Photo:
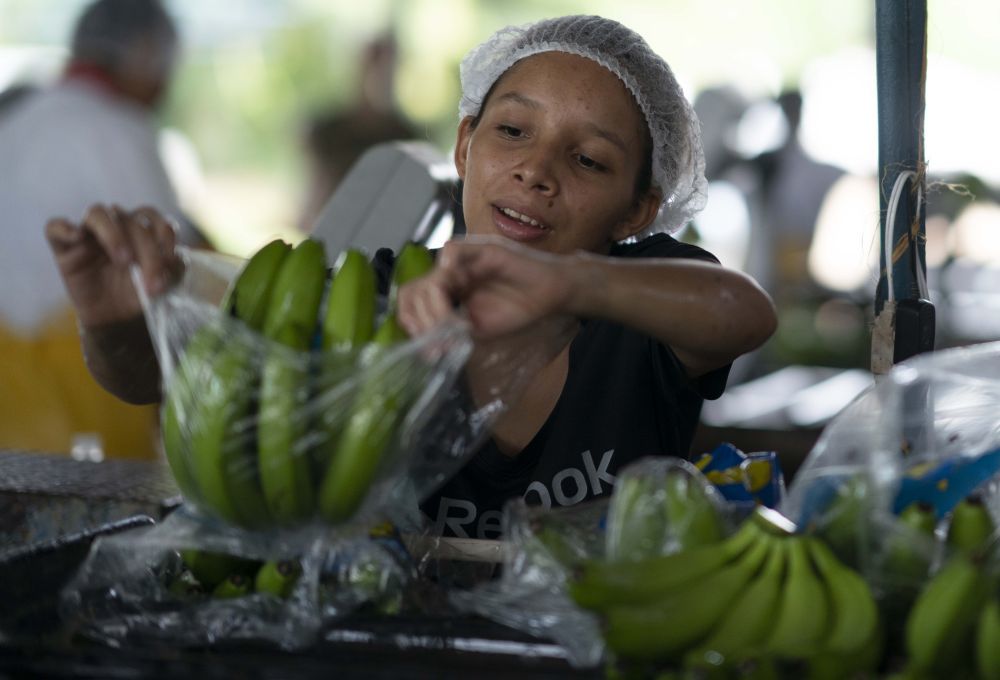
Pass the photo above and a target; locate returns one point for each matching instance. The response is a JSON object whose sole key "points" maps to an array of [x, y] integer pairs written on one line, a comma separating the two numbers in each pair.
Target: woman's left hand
{"points": [[502, 286]]}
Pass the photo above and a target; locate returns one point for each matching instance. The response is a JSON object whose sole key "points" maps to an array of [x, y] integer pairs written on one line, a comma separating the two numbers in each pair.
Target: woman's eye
{"points": [[510, 131], [589, 163]]}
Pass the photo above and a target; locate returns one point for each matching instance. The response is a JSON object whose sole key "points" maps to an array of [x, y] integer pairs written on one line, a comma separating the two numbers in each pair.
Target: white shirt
{"points": [[63, 149]]}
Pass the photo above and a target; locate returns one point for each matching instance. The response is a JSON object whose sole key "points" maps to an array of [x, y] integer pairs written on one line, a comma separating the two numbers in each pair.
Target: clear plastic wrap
{"points": [[134, 586], [884, 477], [262, 435], [254, 429], [188, 582], [538, 553], [659, 506]]}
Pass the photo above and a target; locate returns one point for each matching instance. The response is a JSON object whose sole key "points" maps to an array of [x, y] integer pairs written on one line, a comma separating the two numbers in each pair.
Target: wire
{"points": [[894, 198]]}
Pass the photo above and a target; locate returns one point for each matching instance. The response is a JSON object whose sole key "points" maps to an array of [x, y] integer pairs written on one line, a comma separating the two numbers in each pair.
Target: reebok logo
{"points": [[567, 487]]}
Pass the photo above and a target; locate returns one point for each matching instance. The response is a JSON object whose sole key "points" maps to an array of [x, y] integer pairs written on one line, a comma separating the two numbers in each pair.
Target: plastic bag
{"points": [[530, 595], [190, 582], [134, 586], [261, 435], [749, 479], [659, 506], [923, 438]]}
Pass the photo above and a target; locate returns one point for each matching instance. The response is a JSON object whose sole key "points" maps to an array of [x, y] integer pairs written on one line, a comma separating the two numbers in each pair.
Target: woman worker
{"points": [[578, 154]]}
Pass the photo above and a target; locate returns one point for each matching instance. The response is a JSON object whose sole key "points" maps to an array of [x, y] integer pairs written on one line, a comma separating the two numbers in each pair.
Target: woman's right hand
{"points": [[95, 255]]}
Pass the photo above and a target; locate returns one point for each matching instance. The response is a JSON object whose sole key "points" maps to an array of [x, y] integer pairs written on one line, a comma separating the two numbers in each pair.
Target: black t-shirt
{"points": [[626, 396]]}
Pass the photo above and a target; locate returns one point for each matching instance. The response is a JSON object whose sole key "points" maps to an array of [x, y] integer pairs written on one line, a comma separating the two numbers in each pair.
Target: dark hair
{"points": [[643, 181], [107, 29]]}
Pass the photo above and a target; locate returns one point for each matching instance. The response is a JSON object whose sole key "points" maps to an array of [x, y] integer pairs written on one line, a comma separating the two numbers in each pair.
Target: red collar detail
{"points": [[93, 74]]}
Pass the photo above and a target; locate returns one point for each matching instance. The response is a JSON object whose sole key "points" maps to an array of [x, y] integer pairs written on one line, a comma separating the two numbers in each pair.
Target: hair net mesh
{"points": [[678, 160]]}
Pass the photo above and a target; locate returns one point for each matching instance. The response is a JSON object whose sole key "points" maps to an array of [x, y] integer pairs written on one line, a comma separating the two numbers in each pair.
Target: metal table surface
{"points": [[44, 496]]}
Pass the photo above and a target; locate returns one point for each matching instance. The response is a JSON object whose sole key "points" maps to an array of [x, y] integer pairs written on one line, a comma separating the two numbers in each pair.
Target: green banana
{"points": [[211, 568], [663, 628], [940, 627], [248, 296], [692, 517], [379, 407], [742, 630], [827, 665], [904, 562], [381, 404], [350, 309], [233, 586], [297, 292], [801, 618], [414, 260], [601, 585], [348, 326], [971, 526], [853, 611], [283, 424], [988, 640], [841, 524], [185, 585], [282, 436], [636, 525], [221, 436], [277, 577], [181, 405]]}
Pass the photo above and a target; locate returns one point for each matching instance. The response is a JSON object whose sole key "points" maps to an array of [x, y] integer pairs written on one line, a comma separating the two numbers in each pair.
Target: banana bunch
{"points": [[764, 595], [903, 561], [267, 422], [226, 576], [953, 628]]}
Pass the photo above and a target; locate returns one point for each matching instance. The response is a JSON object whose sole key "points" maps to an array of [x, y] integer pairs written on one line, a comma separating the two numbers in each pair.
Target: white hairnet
{"points": [[678, 160]]}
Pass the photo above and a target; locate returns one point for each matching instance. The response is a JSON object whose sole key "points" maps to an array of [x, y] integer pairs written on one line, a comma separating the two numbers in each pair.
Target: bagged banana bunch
{"points": [[659, 506], [903, 455], [927, 433], [897, 484], [186, 583], [299, 398]]}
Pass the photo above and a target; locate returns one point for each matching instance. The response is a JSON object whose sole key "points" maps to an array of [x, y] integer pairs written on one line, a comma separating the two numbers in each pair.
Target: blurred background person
{"points": [[90, 137], [335, 140], [13, 95], [794, 186]]}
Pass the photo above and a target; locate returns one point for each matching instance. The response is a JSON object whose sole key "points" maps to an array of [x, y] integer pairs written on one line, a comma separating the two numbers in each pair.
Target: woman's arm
{"points": [[120, 356], [706, 314]]}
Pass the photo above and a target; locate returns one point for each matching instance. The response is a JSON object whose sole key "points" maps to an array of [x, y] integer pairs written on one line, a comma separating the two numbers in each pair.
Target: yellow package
{"points": [[49, 398]]}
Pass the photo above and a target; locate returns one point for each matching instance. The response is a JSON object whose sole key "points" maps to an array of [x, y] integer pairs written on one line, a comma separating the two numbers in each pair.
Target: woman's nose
{"points": [[536, 171]]}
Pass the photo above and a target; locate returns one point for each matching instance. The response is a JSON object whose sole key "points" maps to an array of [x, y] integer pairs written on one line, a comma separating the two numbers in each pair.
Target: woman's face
{"points": [[554, 158]]}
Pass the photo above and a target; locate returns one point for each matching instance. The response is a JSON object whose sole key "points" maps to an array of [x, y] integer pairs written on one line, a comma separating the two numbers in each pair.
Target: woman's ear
{"points": [[640, 215], [465, 130]]}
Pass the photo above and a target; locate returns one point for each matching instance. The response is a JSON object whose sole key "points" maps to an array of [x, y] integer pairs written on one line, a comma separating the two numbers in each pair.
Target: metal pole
{"points": [[904, 323]]}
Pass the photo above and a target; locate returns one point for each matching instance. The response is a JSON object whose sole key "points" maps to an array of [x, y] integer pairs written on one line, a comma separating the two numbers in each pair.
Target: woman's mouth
{"points": [[518, 226]]}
